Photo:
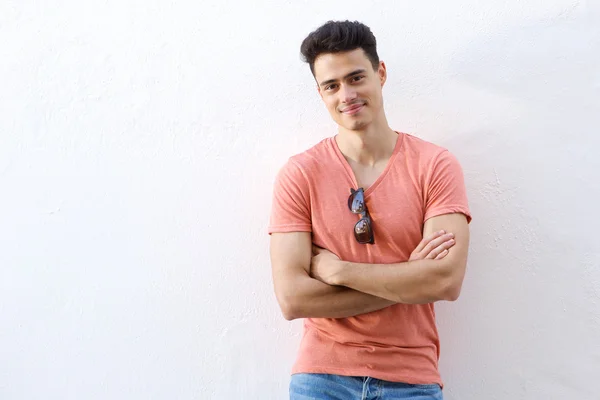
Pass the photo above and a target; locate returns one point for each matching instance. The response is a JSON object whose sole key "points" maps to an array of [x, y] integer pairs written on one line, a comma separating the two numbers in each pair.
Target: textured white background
{"points": [[138, 145]]}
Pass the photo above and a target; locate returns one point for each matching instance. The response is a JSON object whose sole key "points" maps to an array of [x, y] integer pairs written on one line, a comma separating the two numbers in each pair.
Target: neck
{"points": [[369, 146]]}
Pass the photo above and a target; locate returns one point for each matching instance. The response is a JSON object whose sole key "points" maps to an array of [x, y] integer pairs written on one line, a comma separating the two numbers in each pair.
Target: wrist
{"points": [[340, 277]]}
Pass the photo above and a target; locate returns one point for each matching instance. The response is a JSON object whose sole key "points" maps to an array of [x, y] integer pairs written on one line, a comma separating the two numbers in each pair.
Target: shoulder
{"points": [[421, 149], [426, 156], [316, 155], [309, 161]]}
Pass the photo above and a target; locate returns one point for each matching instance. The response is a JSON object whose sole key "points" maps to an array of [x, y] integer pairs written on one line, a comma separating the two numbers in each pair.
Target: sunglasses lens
{"points": [[362, 231], [356, 203]]}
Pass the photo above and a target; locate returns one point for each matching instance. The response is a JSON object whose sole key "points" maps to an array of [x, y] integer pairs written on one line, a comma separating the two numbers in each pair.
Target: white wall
{"points": [[138, 145]]}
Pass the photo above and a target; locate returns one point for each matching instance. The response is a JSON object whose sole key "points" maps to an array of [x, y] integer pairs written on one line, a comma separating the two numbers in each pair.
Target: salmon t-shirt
{"points": [[421, 180]]}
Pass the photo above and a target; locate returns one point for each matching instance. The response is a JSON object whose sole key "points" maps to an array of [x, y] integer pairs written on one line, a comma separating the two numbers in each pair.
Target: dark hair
{"points": [[339, 36]]}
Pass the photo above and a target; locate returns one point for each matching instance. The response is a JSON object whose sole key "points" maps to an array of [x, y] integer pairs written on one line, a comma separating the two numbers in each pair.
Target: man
{"points": [[368, 229]]}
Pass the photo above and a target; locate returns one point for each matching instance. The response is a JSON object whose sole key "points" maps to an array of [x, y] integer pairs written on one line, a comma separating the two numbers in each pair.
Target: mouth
{"points": [[353, 109]]}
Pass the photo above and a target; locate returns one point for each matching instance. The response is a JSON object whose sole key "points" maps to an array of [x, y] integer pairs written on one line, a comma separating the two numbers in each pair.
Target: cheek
{"points": [[331, 106], [378, 95]]}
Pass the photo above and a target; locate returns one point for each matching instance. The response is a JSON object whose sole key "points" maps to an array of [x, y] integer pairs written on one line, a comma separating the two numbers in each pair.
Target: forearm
{"points": [[413, 282], [310, 298]]}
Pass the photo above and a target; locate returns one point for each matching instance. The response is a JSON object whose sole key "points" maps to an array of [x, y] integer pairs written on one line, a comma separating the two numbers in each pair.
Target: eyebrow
{"points": [[358, 71]]}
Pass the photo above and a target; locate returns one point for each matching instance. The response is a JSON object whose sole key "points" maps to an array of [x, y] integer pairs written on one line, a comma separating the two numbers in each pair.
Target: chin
{"points": [[352, 125], [356, 125]]}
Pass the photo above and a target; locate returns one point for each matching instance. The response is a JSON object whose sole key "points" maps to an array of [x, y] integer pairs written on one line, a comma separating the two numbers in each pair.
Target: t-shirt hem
{"points": [[368, 372], [289, 228], [448, 210]]}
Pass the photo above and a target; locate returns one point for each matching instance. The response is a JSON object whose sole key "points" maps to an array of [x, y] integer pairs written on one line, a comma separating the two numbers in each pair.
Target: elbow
{"points": [[288, 308], [452, 294], [450, 281], [451, 289], [291, 301], [288, 313]]}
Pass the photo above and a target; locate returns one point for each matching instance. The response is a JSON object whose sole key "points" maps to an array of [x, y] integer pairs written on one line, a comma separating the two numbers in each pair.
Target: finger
{"points": [[442, 255], [439, 249], [437, 242], [428, 239]]}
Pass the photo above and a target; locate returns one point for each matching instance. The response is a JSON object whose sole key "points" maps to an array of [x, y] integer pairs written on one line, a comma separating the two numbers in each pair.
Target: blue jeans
{"points": [[336, 387]]}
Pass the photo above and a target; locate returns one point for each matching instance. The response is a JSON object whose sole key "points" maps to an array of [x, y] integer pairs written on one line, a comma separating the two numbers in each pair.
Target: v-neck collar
{"points": [[350, 173]]}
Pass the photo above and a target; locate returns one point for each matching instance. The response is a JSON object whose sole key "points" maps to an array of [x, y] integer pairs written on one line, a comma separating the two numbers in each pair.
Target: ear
{"points": [[382, 73], [319, 90]]}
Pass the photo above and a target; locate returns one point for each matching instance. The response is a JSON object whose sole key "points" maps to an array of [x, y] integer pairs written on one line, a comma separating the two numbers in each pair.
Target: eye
{"points": [[357, 78], [331, 87]]}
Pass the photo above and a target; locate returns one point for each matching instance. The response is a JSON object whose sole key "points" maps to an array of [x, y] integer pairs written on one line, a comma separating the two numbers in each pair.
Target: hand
{"points": [[324, 265], [434, 247]]}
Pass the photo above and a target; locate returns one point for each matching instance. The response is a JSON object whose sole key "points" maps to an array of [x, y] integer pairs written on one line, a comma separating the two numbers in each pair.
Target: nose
{"points": [[347, 94]]}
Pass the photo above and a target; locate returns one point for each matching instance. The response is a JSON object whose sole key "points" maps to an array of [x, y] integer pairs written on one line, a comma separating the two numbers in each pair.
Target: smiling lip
{"points": [[353, 109]]}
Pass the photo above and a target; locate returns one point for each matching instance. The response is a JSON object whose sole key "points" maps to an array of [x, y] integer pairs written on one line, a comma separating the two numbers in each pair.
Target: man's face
{"points": [[350, 88]]}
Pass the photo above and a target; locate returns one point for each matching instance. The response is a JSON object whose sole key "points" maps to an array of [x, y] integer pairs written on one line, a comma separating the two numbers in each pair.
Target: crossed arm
{"points": [[320, 285]]}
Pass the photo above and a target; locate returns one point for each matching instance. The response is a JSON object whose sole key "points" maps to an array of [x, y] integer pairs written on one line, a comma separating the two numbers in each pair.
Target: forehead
{"points": [[335, 65]]}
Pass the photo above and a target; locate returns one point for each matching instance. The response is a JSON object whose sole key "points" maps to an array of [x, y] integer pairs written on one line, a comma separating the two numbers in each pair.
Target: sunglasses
{"points": [[363, 230]]}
